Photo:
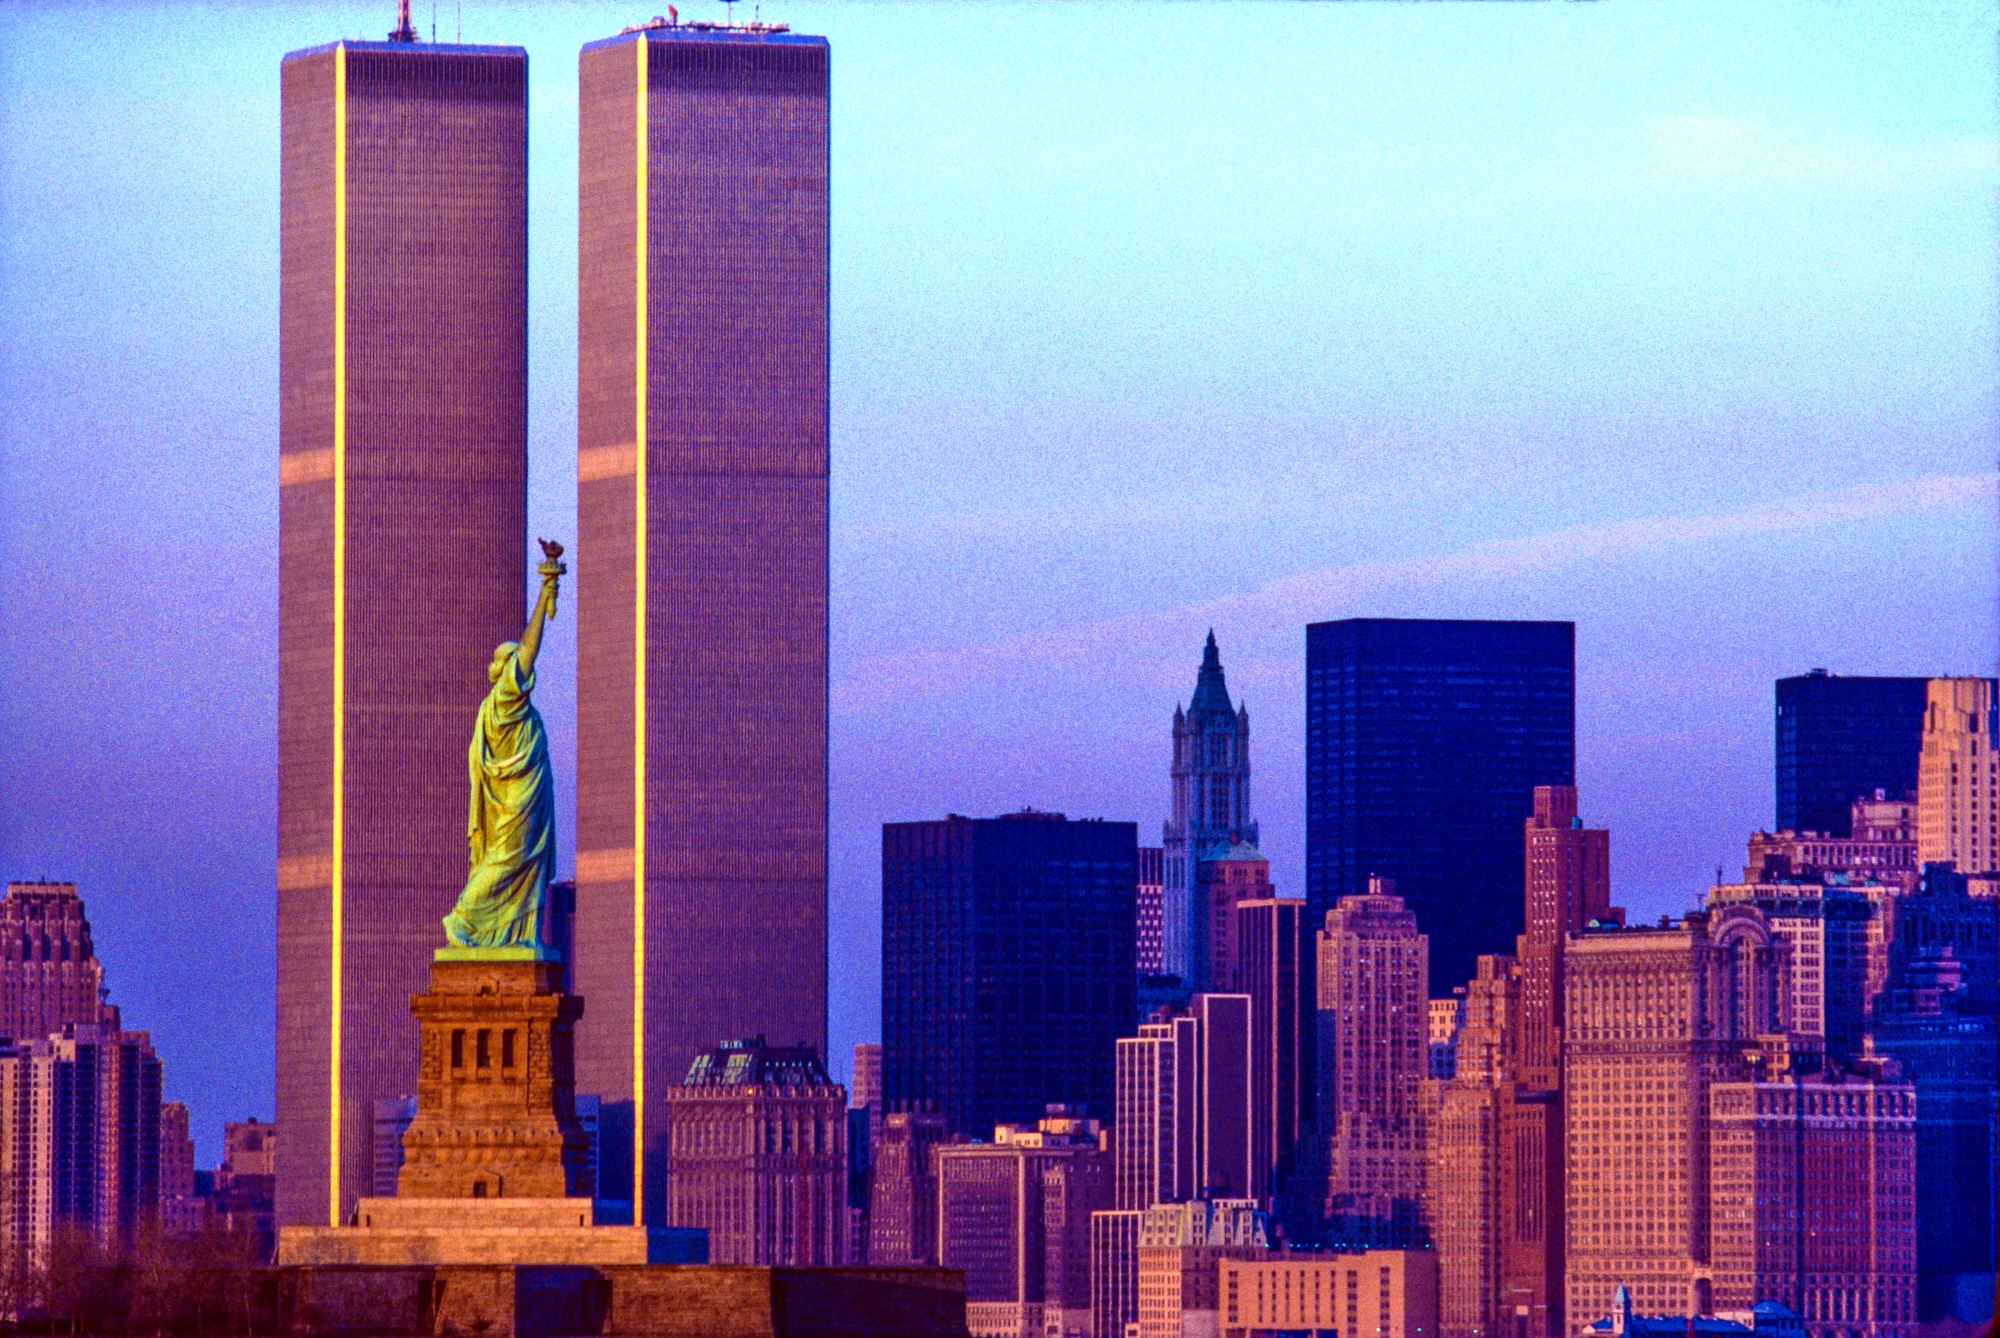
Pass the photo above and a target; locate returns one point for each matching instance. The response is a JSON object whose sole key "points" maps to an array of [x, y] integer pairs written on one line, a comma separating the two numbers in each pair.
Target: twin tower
{"points": [[701, 557]]}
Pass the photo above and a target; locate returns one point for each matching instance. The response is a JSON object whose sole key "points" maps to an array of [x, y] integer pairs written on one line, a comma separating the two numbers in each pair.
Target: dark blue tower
{"points": [[1425, 741], [1006, 965]]}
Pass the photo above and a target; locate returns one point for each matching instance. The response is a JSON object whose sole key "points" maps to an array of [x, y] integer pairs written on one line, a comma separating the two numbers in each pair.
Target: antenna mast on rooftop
{"points": [[403, 31]]}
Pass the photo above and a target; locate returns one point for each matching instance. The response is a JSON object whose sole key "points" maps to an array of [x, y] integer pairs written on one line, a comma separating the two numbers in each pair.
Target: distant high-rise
{"points": [[1006, 965], [1015, 1214], [702, 543], [1276, 966], [402, 518], [902, 1189], [79, 1138], [1157, 1113], [49, 972], [757, 1155], [180, 1210], [1374, 1051], [1568, 876], [1147, 952], [1424, 743], [1211, 783], [1958, 777], [1839, 738], [1226, 874]]}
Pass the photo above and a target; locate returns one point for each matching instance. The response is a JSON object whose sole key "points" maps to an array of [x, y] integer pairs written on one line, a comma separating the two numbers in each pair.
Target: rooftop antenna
{"points": [[729, 8], [403, 32]]}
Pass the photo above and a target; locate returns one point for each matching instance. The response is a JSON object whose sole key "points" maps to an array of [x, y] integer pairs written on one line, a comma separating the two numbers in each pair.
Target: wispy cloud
{"points": [[1727, 151], [1134, 638]]}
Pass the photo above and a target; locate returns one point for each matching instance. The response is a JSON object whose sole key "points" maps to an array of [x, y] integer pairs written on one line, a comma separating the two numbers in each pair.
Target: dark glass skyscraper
{"points": [[1425, 741], [402, 538], [701, 562], [1006, 965], [1841, 738]]}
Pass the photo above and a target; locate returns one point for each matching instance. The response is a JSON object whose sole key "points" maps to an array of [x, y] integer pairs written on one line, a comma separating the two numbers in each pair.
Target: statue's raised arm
{"points": [[511, 824]]}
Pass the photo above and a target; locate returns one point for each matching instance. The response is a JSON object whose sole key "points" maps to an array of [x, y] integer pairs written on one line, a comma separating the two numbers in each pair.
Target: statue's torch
{"points": [[551, 568]]}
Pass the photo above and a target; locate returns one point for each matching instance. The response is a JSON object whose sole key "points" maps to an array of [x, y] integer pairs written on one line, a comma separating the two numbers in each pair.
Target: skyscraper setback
{"points": [[402, 534], [702, 523], [1424, 742]]}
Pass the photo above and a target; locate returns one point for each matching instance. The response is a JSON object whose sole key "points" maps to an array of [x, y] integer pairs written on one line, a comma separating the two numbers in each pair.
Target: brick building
{"points": [[1015, 1214], [1374, 1052], [1811, 1200], [1181, 1246], [757, 1155]]}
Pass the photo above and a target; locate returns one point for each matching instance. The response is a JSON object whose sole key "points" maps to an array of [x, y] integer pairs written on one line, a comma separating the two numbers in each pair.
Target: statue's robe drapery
{"points": [[511, 829]]}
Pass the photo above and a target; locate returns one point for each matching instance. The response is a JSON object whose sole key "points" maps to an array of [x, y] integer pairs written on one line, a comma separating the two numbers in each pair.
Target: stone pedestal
{"points": [[495, 1166], [496, 1093]]}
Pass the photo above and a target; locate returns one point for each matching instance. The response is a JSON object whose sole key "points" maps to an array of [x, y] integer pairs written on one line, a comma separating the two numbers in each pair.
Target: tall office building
{"points": [[702, 524], [1958, 778], [1424, 743], [49, 972], [1655, 1017], [1006, 965], [1568, 877], [757, 1155], [1495, 1174], [1823, 975], [1839, 738], [1157, 1113], [402, 518], [1374, 1052], [1276, 966], [1114, 1270], [1211, 788]]}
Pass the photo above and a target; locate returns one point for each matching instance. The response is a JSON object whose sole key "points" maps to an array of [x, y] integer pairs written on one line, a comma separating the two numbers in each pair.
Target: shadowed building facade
{"points": [[1425, 740], [402, 523], [702, 563], [1006, 965], [1838, 738]]}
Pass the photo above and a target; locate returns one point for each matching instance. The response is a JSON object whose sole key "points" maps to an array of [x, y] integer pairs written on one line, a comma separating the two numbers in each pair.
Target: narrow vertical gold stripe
{"points": [[639, 462], [338, 928]]}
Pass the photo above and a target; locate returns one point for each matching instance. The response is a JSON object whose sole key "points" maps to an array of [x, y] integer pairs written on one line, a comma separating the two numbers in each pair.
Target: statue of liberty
{"points": [[510, 830]]}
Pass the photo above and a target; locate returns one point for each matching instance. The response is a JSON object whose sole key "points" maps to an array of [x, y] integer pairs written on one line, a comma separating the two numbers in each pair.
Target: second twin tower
{"points": [[702, 562]]}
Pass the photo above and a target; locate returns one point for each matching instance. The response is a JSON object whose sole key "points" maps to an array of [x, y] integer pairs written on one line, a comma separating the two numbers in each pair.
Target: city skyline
{"points": [[1673, 540]]}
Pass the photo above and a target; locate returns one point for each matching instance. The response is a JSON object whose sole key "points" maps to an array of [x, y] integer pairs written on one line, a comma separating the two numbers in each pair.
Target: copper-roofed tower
{"points": [[702, 515], [402, 521], [1211, 779], [49, 973]]}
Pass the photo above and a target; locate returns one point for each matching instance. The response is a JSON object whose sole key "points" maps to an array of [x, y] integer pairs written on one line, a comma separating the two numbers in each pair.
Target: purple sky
{"points": [[1677, 321]]}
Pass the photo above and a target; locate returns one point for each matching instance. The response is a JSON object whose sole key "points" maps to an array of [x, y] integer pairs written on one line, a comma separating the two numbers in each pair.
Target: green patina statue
{"points": [[511, 829]]}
